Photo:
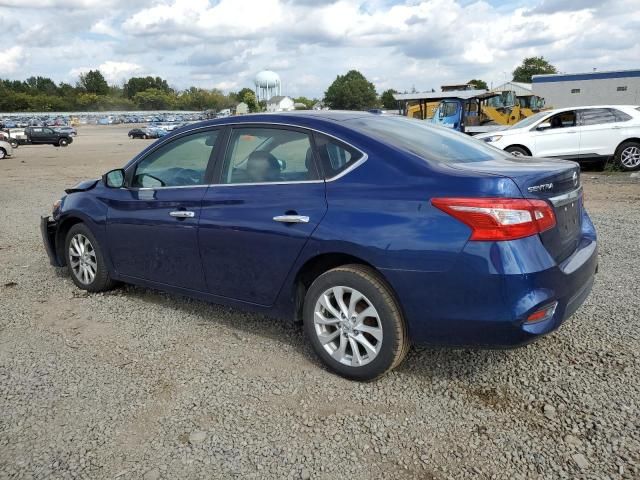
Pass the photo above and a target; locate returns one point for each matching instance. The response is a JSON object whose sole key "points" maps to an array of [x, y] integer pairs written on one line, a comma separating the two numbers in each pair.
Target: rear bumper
{"points": [[48, 230], [485, 299]]}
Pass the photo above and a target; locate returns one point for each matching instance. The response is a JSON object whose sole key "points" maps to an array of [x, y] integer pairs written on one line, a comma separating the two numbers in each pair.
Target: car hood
{"points": [[502, 133], [83, 186]]}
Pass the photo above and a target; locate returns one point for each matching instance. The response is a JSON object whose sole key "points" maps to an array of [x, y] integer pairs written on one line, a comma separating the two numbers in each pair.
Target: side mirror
{"points": [[114, 178], [543, 126]]}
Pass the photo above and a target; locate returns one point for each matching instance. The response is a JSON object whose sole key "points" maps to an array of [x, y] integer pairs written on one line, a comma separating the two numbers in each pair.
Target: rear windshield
{"points": [[427, 141]]}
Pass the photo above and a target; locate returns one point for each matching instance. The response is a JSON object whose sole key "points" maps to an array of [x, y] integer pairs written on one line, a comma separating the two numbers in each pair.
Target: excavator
{"points": [[468, 109]]}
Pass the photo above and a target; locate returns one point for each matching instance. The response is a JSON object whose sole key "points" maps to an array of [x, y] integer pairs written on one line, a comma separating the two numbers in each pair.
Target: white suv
{"points": [[584, 134]]}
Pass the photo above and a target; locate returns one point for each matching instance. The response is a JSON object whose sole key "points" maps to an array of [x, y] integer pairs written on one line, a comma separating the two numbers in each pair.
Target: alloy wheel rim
{"points": [[630, 157], [348, 326], [82, 259]]}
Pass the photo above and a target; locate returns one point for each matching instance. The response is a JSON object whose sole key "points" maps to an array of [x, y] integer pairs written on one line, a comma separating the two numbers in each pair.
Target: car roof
{"points": [[583, 107], [302, 117]]}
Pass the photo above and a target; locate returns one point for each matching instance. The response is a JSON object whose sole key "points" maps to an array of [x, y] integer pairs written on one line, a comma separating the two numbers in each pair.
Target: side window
{"points": [[597, 116], [334, 156], [620, 115], [268, 155], [448, 109], [181, 162], [563, 120]]}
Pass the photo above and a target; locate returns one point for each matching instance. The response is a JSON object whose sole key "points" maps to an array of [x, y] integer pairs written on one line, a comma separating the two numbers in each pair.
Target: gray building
{"points": [[620, 87]]}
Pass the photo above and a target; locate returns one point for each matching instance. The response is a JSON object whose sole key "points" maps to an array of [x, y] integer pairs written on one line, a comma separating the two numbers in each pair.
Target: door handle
{"points": [[182, 214], [292, 218]]}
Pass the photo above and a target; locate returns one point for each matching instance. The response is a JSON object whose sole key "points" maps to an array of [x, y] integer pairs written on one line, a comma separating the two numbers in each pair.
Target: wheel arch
{"points": [[519, 145], [319, 264], [631, 139]]}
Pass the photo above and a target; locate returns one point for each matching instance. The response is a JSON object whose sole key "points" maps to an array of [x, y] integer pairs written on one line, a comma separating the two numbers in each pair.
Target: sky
{"points": [[401, 44]]}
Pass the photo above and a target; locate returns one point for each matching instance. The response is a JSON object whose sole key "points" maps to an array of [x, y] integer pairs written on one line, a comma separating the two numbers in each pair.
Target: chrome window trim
{"points": [[565, 198], [346, 171]]}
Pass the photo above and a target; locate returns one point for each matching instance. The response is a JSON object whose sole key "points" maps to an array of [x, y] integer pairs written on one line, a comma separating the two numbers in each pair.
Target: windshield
{"points": [[527, 122], [425, 140]]}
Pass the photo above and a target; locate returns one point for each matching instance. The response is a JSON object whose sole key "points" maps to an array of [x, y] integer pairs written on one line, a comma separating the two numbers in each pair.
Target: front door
{"points": [[256, 220], [561, 139], [152, 226]]}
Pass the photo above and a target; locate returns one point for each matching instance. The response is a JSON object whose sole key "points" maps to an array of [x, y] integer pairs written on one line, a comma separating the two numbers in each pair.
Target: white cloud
{"points": [[12, 59], [399, 44]]}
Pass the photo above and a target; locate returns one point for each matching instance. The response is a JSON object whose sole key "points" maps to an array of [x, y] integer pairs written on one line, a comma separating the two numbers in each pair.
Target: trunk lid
{"points": [[556, 181]]}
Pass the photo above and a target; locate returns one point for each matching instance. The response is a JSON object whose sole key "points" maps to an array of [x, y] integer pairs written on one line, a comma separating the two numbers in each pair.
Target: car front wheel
{"points": [[63, 142], [628, 156], [354, 323], [3, 153], [517, 151], [85, 260]]}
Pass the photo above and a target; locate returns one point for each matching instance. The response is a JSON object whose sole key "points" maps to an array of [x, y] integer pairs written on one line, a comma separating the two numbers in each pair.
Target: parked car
{"points": [[374, 231], [71, 131], [584, 134], [138, 133], [44, 136], [6, 150]]}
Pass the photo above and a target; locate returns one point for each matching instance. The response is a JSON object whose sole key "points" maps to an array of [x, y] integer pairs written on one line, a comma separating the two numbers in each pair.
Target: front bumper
{"points": [[48, 230]]}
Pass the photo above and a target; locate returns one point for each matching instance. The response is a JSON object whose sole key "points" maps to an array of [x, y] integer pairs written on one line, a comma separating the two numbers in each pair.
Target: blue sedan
{"points": [[376, 232]]}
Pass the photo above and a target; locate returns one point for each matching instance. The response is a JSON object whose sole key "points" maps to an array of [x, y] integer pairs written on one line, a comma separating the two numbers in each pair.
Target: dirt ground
{"points": [[140, 384]]}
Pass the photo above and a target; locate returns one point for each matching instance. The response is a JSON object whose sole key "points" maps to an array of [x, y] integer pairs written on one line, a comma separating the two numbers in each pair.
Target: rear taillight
{"points": [[499, 218]]}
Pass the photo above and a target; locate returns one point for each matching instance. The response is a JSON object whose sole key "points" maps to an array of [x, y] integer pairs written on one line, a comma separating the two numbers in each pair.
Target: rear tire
{"points": [[85, 260], [517, 151], [13, 143], [354, 344], [628, 156], [3, 153], [63, 142]]}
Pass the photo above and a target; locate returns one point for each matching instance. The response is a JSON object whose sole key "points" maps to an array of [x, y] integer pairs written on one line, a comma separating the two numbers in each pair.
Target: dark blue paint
{"points": [[451, 291], [573, 77]]}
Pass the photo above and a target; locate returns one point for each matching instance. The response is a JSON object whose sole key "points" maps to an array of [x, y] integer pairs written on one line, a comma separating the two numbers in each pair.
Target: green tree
{"points": [[351, 92], [93, 82], [155, 99], [479, 84], [250, 99], [308, 102], [532, 66], [140, 84], [240, 95], [387, 99]]}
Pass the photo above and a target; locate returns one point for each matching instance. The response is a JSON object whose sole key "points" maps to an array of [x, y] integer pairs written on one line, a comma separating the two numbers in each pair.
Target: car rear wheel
{"points": [[13, 143], [63, 142], [354, 323], [145, 136], [86, 261], [628, 156], [517, 151], [3, 153]]}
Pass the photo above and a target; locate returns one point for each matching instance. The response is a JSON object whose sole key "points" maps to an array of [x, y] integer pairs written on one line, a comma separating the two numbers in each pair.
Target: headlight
{"points": [[492, 138], [56, 206]]}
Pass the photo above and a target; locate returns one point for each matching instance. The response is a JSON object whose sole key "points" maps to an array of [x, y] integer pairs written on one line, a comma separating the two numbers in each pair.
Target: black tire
{"points": [[101, 281], [395, 340], [63, 142], [145, 136], [131, 137], [626, 148], [518, 151], [13, 143], [3, 153]]}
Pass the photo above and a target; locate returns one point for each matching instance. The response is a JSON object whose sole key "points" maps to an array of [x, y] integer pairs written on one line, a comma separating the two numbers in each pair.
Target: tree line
{"points": [[92, 92]]}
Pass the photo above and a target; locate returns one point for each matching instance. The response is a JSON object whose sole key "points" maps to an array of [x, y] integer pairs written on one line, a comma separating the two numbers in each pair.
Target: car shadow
{"points": [[427, 363]]}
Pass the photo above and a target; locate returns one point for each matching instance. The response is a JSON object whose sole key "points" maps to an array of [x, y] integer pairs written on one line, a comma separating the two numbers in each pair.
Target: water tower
{"points": [[267, 85]]}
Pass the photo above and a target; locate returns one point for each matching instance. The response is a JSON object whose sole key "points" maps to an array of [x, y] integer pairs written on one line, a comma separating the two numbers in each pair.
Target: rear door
{"points": [[562, 139], [598, 137], [268, 200]]}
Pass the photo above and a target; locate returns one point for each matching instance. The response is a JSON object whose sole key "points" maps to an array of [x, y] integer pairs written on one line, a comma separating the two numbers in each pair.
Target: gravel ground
{"points": [[140, 384]]}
